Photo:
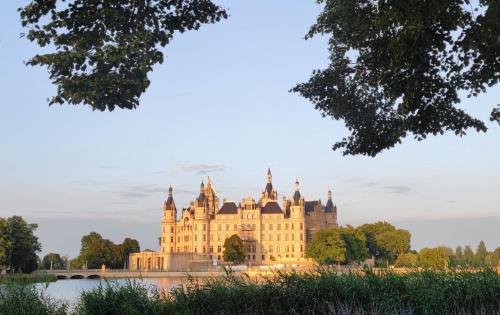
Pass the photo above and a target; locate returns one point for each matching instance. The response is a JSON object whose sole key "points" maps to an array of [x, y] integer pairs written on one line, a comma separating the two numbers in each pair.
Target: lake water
{"points": [[69, 290]]}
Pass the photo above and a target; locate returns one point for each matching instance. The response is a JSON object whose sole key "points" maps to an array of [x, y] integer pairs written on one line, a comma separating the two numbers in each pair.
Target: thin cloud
{"points": [[105, 167], [140, 191], [397, 189], [203, 168]]}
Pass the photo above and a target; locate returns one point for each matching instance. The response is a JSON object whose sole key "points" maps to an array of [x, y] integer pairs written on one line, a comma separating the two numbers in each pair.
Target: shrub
{"points": [[28, 299]]}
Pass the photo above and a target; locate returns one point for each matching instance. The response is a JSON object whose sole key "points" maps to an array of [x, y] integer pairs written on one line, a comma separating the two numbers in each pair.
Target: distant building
{"points": [[273, 233]]}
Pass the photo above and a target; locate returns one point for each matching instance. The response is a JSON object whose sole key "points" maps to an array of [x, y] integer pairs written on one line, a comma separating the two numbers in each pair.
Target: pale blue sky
{"points": [[220, 106]]}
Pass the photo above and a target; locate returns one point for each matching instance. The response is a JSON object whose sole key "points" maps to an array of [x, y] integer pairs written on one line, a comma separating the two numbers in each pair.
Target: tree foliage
{"points": [[385, 242], [5, 244], [355, 244], [397, 68], [435, 258], [18, 244], [481, 258], [96, 251], [54, 261], [468, 256], [481, 252], [235, 250], [327, 247], [104, 50], [406, 260]]}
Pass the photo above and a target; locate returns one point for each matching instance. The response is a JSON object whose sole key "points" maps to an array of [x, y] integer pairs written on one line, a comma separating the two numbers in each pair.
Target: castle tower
{"points": [[297, 204], [201, 204], [329, 207], [167, 240], [269, 193]]}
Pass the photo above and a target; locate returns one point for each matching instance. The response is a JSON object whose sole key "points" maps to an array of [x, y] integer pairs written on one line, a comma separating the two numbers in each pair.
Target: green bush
{"points": [[28, 300]]}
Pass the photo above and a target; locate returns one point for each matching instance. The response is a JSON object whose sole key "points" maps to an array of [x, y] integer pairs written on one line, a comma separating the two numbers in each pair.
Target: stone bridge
{"points": [[120, 273]]}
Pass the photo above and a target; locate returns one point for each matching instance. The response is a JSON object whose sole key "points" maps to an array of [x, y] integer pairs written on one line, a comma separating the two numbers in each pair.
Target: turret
{"points": [[269, 193], [329, 207], [169, 209], [167, 240], [296, 195]]}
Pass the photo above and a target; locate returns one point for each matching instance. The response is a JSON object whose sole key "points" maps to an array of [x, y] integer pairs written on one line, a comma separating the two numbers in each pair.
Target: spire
{"points": [[169, 203], [329, 204], [269, 185], [296, 195], [209, 182], [201, 197]]}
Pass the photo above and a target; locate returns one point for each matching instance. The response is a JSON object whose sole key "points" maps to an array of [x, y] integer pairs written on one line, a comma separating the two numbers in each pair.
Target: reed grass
{"points": [[323, 291], [18, 299], [23, 279]]}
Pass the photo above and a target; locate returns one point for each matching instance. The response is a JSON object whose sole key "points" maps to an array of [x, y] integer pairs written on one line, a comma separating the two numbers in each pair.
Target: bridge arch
{"points": [[60, 277], [93, 277], [77, 277]]}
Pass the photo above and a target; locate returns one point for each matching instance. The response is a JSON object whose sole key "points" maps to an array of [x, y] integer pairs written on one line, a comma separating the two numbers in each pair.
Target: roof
{"points": [[296, 197], [269, 189], [201, 197], [271, 207], [228, 208], [310, 205], [170, 204], [329, 206]]}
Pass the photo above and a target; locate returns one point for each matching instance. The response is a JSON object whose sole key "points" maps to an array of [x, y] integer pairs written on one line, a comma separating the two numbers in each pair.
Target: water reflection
{"points": [[69, 290]]}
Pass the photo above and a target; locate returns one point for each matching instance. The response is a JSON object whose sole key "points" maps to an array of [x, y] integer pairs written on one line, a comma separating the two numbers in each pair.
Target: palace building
{"points": [[274, 231]]}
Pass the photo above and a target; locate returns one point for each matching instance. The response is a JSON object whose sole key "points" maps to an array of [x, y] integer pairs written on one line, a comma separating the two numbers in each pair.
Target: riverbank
{"points": [[322, 291], [23, 279], [251, 272]]}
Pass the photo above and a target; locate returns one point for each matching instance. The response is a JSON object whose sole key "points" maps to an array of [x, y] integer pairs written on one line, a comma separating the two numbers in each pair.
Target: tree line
{"points": [[443, 257], [96, 251], [19, 248], [347, 245], [391, 247]]}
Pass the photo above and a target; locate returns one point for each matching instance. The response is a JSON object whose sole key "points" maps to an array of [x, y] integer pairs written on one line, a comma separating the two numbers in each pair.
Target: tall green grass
{"points": [[131, 298], [320, 292], [28, 300], [22, 278]]}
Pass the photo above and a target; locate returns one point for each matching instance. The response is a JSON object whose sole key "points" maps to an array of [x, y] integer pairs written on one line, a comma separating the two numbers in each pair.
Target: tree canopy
{"points": [[96, 251], [5, 243], [398, 68], [355, 244], [54, 261], [435, 258], [327, 247], [406, 260], [385, 242], [102, 51], [18, 244], [235, 250]]}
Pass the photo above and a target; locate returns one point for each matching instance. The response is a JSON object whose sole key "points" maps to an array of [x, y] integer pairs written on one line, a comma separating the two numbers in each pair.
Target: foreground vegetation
{"points": [[320, 292], [28, 299], [23, 279], [390, 246]]}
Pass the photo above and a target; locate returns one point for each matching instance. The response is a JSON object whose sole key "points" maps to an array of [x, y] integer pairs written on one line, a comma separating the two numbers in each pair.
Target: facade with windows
{"points": [[274, 232]]}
